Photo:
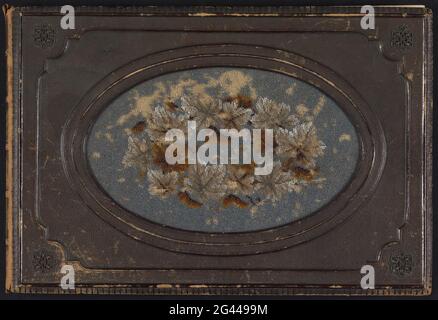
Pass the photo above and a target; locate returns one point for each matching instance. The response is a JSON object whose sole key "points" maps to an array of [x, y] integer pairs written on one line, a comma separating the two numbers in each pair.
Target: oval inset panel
{"points": [[316, 150]]}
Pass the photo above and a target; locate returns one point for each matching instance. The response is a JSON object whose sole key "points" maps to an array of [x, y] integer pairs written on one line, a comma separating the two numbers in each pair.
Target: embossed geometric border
{"points": [[427, 137]]}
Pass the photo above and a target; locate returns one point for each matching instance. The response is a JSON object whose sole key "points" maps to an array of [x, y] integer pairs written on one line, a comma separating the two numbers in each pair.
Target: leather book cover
{"points": [[219, 150]]}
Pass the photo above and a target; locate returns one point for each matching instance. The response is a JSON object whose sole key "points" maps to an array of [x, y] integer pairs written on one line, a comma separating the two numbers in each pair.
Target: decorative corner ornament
{"points": [[402, 38], [44, 35], [401, 265], [43, 261]]}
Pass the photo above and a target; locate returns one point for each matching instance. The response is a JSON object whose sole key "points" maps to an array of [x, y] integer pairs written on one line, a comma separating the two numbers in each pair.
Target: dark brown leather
{"points": [[59, 81]]}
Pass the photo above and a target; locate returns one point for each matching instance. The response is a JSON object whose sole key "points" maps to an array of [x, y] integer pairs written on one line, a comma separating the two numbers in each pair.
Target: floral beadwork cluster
{"points": [[296, 149]]}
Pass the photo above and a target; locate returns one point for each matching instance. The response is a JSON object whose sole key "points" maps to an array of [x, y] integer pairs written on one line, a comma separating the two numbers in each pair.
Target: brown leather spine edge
{"points": [[9, 283]]}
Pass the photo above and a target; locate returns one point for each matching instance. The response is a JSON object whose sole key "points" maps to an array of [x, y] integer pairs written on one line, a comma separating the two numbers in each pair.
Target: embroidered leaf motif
{"points": [[162, 121], [301, 144], [162, 184], [271, 115], [242, 101], [205, 182], [136, 155], [159, 159], [233, 116], [296, 146], [304, 173], [204, 113], [240, 179], [273, 186]]}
